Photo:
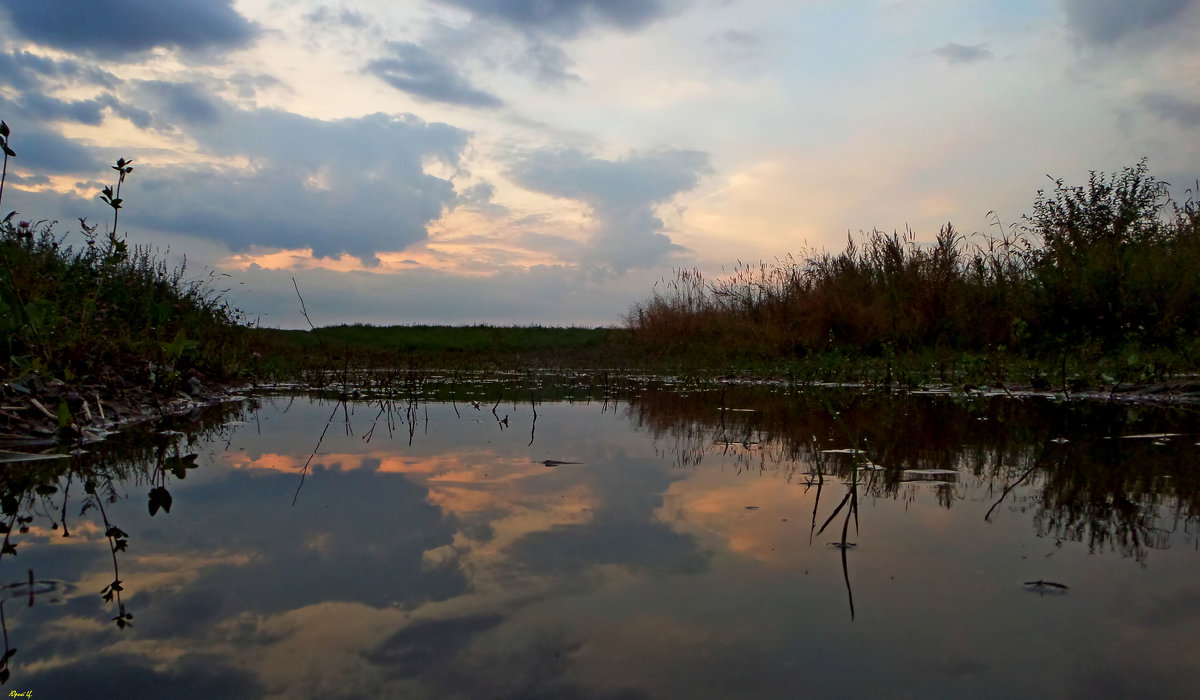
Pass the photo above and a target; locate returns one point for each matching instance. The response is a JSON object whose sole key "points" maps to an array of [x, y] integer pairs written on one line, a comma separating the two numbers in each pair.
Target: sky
{"points": [[549, 161]]}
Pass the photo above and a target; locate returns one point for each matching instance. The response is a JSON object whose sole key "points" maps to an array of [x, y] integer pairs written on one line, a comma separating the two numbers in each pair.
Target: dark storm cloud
{"points": [[118, 28], [34, 78], [1182, 111], [24, 70], [955, 53], [252, 512], [181, 103], [45, 152], [89, 112], [622, 195], [422, 74], [270, 178], [1107, 22], [566, 18], [353, 186]]}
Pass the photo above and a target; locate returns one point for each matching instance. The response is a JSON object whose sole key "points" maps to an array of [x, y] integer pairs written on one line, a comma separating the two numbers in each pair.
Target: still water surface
{"points": [[672, 546]]}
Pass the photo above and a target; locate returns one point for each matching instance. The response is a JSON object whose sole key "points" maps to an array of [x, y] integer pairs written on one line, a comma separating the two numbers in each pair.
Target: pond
{"points": [[653, 540]]}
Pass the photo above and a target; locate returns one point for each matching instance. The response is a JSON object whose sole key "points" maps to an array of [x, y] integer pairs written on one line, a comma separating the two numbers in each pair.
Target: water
{"points": [[993, 547]]}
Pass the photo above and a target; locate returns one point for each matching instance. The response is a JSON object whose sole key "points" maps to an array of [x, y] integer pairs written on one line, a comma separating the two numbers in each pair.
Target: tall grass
{"points": [[1107, 269]]}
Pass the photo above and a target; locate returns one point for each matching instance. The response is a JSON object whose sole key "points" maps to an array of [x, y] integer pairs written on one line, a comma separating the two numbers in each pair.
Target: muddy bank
{"points": [[39, 413]]}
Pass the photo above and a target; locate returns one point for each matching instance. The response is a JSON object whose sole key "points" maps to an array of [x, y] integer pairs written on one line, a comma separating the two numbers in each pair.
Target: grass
{"points": [[1104, 276], [106, 312], [478, 346]]}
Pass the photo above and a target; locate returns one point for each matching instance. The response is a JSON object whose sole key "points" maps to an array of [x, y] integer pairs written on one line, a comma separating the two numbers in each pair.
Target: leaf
{"points": [[119, 545], [9, 654], [160, 498], [4, 129], [8, 151], [8, 548], [64, 414], [115, 531], [4, 674]]}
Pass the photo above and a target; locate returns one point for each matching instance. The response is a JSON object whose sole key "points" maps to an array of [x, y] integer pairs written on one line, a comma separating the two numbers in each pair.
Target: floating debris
{"points": [[751, 507], [1043, 586]]}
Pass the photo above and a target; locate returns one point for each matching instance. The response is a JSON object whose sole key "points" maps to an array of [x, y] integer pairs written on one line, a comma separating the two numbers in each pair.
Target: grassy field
{"points": [[476, 347]]}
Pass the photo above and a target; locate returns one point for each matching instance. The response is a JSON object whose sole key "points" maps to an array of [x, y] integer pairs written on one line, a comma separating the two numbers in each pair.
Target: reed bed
{"points": [[1106, 270]]}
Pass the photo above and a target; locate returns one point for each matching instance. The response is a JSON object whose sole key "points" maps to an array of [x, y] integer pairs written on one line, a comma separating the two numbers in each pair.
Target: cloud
{"points": [[566, 18], [622, 195], [1108, 22], [1182, 111], [24, 70], [46, 152], [184, 103], [546, 62], [420, 73], [286, 572], [478, 198], [956, 54], [326, 16], [120, 29], [411, 651], [247, 85], [270, 179], [353, 186], [89, 112]]}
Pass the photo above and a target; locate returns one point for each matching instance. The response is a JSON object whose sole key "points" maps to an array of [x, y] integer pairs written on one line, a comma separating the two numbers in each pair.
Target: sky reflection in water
{"points": [[679, 558]]}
